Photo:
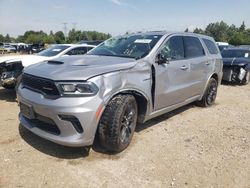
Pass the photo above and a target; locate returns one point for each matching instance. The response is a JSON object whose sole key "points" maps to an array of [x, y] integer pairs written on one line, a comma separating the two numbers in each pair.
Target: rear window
{"points": [[193, 47], [211, 46]]}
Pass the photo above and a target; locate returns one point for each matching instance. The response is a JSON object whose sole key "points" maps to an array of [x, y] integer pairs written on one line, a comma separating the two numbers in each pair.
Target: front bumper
{"points": [[234, 73], [82, 108]]}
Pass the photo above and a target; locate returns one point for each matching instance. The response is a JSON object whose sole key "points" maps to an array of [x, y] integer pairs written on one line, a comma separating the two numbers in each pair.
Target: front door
{"points": [[173, 77]]}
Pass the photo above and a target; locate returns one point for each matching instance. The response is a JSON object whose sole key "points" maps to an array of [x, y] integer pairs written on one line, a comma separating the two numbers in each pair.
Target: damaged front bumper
{"points": [[8, 78], [235, 74], [9, 73]]}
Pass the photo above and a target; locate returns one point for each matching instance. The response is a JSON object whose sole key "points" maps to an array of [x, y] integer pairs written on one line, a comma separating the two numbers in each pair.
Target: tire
{"points": [[246, 80], [118, 122], [210, 94]]}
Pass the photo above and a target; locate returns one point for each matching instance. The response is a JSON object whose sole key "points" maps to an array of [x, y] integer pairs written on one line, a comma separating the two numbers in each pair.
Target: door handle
{"points": [[184, 67]]}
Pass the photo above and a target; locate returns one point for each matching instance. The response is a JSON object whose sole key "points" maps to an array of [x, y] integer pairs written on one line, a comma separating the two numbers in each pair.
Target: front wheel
{"points": [[210, 94], [118, 122]]}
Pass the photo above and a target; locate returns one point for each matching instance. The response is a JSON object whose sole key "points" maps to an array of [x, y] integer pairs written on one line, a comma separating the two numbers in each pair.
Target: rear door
{"points": [[198, 62]]}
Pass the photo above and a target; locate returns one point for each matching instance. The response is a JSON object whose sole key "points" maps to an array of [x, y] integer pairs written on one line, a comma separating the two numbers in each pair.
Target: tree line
{"points": [[223, 32], [220, 31], [40, 37]]}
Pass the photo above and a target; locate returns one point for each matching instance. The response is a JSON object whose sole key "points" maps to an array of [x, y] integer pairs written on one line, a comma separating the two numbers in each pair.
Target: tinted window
{"points": [[130, 46], [211, 46], [90, 48], [235, 53], [78, 51], [193, 47], [173, 49], [53, 50]]}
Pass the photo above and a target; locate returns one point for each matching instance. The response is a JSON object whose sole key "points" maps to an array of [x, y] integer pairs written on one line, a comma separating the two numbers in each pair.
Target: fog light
{"points": [[73, 120]]}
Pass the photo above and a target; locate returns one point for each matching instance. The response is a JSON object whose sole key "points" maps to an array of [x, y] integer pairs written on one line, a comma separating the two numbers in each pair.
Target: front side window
{"points": [[193, 47], [173, 49], [211, 46], [55, 50], [130, 46]]}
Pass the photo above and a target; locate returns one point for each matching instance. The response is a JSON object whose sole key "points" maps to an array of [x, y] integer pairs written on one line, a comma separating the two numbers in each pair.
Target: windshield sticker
{"points": [[143, 41], [56, 50], [246, 54]]}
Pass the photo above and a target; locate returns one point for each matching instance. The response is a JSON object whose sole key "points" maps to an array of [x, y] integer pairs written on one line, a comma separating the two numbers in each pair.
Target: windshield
{"points": [[235, 53], [134, 46], [53, 50]]}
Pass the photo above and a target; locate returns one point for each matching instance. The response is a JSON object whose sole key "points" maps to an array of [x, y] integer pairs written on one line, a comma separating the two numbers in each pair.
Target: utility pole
{"points": [[65, 28], [74, 25]]}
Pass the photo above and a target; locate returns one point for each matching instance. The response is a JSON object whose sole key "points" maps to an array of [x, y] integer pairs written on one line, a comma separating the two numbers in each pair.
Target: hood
{"points": [[79, 67], [26, 59], [236, 61]]}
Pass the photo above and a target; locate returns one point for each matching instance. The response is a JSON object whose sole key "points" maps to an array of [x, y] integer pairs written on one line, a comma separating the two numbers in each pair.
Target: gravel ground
{"points": [[190, 147]]}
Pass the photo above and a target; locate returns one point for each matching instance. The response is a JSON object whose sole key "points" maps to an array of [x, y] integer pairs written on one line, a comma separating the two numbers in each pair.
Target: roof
{"points": [[171, 33], [74, 45]]}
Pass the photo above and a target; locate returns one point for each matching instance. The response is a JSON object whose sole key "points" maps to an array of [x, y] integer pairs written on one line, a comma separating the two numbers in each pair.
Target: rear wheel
{"points": [[246, 80], [210, 94], [117, 124]]}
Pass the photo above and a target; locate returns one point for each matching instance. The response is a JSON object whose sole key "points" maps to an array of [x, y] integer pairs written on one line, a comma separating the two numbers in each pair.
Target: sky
{"points": [[118, 16]]}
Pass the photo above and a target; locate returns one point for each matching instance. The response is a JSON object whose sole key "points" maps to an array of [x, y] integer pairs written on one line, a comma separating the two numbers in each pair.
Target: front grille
{"points": [[41, 85]]}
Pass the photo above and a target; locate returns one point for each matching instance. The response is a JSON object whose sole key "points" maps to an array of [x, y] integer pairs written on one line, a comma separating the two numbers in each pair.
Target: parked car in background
{"points": [[8, 48], [11, 66], [36, 48], [244, 46], [91, 42], [236, 65], [125, 80], [224, 45]]}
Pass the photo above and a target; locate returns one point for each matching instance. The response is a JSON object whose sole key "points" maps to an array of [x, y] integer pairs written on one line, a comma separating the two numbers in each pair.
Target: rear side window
{"points": [[193, 47], [211, 46]]}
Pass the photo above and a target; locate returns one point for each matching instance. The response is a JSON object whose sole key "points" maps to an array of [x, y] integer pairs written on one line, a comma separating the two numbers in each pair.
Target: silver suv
{"points": [[125, 80]]}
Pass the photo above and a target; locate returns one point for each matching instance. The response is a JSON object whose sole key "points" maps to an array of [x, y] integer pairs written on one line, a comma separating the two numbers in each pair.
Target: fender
{"points": [[204, 90], [247, 68], [127, 90]]}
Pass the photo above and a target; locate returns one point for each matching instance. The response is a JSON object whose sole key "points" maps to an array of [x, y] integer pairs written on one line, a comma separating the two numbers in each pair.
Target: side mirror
{"points": [[161, 59]]}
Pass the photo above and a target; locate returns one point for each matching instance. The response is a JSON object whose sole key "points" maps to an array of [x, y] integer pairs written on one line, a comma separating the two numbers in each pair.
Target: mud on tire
{"points": [[117, 124]]}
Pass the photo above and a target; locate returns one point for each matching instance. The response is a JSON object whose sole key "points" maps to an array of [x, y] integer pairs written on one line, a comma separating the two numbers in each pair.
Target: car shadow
{"points": [[51, 148], [64, 152], [140, 127], [226, 83], [8, 95], [164, 117]]}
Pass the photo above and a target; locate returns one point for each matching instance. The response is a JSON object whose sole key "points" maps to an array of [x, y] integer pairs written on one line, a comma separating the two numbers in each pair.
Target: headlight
{"points": [[77, 88]]}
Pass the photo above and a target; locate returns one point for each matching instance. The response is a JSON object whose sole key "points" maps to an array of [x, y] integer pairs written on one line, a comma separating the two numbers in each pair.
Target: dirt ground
{"points": [[190, 147]]}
